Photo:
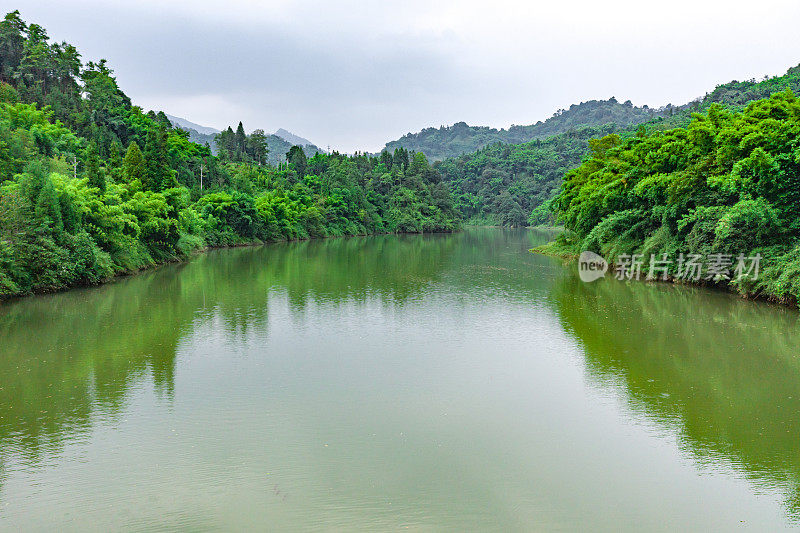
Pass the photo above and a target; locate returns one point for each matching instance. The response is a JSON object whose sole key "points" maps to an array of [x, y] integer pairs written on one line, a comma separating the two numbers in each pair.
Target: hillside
{"points": [[502, 184], [460, 138], [279, 147], [509, 184], [292, 138], [725, 186], [91, 186], [188, 125]]}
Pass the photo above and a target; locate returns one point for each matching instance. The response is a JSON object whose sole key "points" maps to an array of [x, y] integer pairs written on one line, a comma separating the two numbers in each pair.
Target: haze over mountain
{"points": [[292, 138], [460, 138], [510, 184], [186, 124], [278, 143]]}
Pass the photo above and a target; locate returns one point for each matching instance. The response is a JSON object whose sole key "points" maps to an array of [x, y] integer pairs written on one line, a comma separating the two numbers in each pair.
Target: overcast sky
{"points": [[354, 75]]}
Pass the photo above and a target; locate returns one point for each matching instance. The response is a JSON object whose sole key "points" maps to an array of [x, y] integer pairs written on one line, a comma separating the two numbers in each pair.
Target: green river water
{"points": [[424, 383]]}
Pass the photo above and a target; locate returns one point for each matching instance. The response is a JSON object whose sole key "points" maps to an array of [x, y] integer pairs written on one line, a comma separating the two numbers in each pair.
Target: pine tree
{"points": [[386, 159], [133, 167], [114, 158], [241, 139], [158, 175]]}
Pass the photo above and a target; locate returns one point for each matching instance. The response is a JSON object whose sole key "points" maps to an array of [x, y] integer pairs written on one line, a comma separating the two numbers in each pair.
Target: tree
{"points": [[48, 210], [133, 166], [386, 159], [257, 147], [400, 158], [8, 94], [297, 159], [241, 142], [12, 43], [158, 175], [93, 171]]}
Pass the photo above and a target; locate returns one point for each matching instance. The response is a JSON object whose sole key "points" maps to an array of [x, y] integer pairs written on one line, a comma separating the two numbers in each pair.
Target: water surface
{"points": [[444, 382]]}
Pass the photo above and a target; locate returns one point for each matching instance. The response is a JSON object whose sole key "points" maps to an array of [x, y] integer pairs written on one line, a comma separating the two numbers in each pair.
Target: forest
{"points": [[276, 147], [514, 184], [92, 186], [460, 138], [727, 184]]}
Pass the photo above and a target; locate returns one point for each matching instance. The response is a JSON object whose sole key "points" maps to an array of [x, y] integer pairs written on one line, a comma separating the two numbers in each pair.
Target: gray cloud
{"points": [[355, 76]]}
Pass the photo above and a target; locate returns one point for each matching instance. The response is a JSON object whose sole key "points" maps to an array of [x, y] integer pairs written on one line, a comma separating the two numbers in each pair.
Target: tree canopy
{"points": [[74, 210]]}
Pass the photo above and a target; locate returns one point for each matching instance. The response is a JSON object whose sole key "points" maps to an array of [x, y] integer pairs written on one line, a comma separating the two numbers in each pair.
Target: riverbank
{"points": [[186, 257], [570, 252]]}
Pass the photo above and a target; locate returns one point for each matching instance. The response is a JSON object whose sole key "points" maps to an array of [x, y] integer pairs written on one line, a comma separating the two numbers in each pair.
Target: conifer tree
{"points": [[158, 175], [133, 167]]}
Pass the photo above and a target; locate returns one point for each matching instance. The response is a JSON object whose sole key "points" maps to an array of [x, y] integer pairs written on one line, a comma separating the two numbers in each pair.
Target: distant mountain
{"points": [[188, 125], [277, 144], [292, 138], [506, 183], [460, 138]]}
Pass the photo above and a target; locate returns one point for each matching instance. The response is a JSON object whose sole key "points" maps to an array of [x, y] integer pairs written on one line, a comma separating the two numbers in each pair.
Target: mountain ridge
{"points": [[188, 124]]}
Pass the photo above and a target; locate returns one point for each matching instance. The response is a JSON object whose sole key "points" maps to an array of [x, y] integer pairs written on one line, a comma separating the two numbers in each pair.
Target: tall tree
{"points": [[94, 172], [257, 147], [297, 159], [158, 174], [241, 142], [133, 166], [12, 41]]}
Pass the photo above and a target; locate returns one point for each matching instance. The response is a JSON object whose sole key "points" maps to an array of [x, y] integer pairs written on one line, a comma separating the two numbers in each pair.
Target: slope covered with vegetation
{"points": [[92, 186], [725, 185], [511, 185], [460, 138]]}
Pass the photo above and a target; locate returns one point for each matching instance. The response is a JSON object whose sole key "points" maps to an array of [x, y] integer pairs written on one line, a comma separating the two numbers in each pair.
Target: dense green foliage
{"points": [[728, 183], [91, 186], [511, 185], [460, 138], [734, 95]]}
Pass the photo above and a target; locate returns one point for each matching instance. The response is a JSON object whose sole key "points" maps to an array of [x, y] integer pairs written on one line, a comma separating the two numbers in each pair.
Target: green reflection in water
{"points": [[469, 345], [68, 356], [724, 371]]}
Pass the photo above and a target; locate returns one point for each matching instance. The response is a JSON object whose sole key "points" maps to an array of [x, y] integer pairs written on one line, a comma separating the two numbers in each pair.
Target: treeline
{"points": [[460, 138], [91, 186], [275, 147], [725, 185], [240, 147], [512, 185]]}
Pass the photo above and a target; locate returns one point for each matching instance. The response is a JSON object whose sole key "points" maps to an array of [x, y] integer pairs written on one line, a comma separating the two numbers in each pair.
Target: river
{"points": [[437, 382]]}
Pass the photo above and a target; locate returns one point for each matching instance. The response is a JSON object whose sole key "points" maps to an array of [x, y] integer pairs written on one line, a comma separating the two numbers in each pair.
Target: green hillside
{"points": [[510, 184], [460, 138], [725, 186], [92, 186]]}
